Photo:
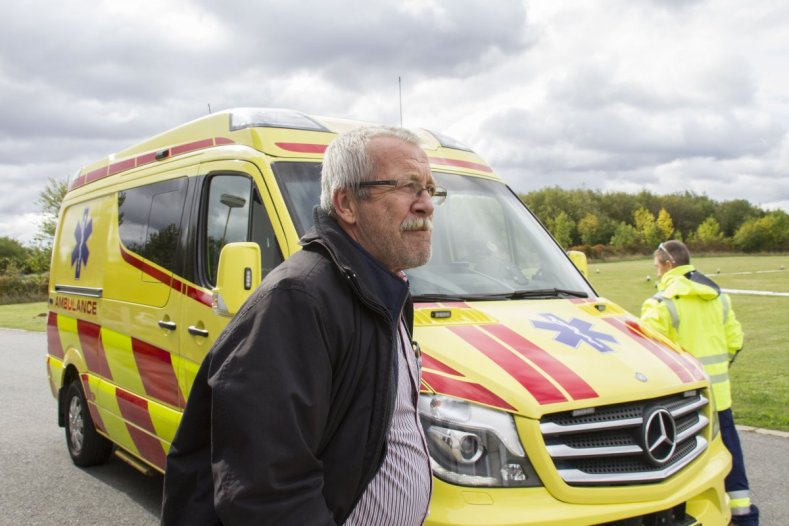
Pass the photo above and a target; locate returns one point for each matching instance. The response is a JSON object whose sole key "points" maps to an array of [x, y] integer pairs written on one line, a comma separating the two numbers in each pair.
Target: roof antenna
{"points": [[209, 108], [400, 90]]}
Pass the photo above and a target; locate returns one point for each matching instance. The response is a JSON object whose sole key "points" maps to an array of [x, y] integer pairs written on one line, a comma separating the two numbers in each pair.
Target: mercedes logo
{"points": [[659, 436]]}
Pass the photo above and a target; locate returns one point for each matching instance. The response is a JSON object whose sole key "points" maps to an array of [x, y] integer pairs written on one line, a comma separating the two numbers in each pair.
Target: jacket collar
{"points": [[685, 280], [376, 283], [673, 274]]}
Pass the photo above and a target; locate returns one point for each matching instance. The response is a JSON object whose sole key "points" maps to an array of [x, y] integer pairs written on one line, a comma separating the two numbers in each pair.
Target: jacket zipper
{"points": [[381, 445]]}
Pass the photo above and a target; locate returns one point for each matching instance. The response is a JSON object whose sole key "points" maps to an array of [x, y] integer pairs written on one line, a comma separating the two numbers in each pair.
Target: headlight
{"points": [[471, 445]]}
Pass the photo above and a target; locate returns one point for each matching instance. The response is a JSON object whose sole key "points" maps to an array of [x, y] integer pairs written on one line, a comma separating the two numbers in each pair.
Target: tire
{"points": [[85, 445]]}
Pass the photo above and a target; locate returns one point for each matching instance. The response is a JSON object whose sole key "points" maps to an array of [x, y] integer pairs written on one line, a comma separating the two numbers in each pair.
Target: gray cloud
{"points": [[665, 95], [351, 41]]}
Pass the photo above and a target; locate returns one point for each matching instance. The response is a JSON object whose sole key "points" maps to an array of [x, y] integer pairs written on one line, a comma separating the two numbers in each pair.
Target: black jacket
{"points": [[287, 418]]}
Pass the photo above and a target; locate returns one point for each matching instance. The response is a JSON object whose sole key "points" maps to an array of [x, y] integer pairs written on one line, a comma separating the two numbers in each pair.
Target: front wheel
{"points": [[85, 445]]}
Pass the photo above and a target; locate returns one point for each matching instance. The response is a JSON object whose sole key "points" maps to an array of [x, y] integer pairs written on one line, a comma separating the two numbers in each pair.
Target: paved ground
{"points": [[767, 462], [40, 486]]}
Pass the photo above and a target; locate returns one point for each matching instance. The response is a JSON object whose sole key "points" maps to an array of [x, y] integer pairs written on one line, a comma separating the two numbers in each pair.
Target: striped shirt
{"points": [[399, 493]]}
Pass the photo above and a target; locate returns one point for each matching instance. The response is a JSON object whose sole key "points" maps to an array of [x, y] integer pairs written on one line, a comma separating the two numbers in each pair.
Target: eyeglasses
{"points": [[412, 188], [667, 253]]}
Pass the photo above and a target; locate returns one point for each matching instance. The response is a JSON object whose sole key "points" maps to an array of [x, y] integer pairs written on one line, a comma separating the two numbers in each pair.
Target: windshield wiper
{"points": [[547, 293], [439, 298], [516, 295]]}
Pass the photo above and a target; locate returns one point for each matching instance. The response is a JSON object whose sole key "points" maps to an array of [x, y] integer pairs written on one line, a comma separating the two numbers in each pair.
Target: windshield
{"points": [[486, 244]]}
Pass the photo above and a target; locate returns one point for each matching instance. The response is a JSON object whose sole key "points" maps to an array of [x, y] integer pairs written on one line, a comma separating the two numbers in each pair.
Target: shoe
{"points": [[749, 519]]}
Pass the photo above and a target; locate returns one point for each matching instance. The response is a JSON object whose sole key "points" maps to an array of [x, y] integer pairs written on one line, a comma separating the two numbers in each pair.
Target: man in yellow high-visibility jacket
{"points": [[691, 310]]}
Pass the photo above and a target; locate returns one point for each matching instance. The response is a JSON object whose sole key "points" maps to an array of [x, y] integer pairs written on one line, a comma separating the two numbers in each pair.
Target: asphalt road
{"points": [[40, 486], [38, 483]]}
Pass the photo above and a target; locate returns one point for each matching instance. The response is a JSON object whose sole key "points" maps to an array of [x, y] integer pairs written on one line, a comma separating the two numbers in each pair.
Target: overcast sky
{"points": [[662, 95]]}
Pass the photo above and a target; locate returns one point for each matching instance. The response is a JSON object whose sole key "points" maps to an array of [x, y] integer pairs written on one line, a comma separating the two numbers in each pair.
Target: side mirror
{"points": [[579, 260], [237, 276]]}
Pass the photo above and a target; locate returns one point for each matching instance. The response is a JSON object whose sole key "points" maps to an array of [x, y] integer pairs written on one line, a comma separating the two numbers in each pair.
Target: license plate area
{"points": [[675, 516]]}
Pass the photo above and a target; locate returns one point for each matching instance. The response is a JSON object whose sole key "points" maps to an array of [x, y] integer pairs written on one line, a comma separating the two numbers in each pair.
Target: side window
{"points": [[234, 211], [149, 220], [263, 234]]}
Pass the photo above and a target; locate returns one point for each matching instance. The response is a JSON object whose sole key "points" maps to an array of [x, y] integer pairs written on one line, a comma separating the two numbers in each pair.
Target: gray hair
{"points": [[347, 162]]}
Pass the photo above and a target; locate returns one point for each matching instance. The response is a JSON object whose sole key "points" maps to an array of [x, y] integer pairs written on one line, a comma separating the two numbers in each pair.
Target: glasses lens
{"points": [[438, 196], [409, 187]]}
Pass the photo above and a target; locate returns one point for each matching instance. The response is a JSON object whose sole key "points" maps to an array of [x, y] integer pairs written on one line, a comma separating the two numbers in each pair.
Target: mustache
{"points": [[416, 223]]}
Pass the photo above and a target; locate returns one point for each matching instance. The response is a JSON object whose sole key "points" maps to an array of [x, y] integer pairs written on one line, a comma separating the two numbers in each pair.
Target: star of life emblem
{"points": [[80, 254], [575, 331]]}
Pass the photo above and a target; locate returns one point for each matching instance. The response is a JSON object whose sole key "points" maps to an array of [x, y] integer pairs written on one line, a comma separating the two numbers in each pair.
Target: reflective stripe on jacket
{"points": [[690, 310]]}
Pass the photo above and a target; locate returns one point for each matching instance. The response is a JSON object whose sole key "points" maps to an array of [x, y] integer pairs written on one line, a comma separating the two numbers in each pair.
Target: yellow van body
{"points": [[139, 290]]}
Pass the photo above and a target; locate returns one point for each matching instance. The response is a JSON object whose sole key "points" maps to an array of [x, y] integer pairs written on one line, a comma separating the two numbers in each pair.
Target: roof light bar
{"points": [[449, 142], [272, 118]]}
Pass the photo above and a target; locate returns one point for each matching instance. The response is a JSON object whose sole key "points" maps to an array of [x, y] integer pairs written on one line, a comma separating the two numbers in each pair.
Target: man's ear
{"points": [[345, 205]]}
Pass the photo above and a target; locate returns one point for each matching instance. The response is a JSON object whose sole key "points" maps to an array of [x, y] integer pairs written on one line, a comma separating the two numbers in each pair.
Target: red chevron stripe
{"points": [[301, 147], [571, 382], [692, 365], [198, 295], [145, 267], [667, 356], [121, 166], [530, 378], [134, 409], [94, 175], [470, 391], [91, 401], [171, 280], [146, 158], [93, 349], [54, 345], [156, 371], [463, 164], [428, 362], [150, 447], [191, 146]]}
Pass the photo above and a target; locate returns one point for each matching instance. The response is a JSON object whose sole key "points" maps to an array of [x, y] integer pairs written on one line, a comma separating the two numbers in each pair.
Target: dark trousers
{"points": [[736, 480]]}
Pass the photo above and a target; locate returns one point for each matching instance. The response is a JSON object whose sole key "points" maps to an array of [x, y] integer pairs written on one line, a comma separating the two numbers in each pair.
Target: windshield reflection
{"points": [[486, 244]]}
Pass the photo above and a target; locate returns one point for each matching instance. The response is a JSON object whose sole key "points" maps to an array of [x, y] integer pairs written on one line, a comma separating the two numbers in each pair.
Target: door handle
{"points": [[169, 325], [197, 332]]}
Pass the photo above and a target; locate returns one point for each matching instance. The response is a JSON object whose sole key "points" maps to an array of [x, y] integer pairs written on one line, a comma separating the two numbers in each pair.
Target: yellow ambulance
{"points": [[542, 402]]}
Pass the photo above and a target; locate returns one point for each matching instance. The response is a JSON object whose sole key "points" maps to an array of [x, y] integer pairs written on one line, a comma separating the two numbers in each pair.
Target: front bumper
{"points": [[703, 495]]}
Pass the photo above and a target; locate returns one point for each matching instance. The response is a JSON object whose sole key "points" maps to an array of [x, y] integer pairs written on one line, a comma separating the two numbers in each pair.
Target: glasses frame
{"points": [[438, 194], [667, 253]]}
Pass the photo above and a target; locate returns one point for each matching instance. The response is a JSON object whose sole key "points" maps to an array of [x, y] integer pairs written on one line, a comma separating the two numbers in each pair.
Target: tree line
{"points": [[604, 224], [601, 224], [24, 269]]}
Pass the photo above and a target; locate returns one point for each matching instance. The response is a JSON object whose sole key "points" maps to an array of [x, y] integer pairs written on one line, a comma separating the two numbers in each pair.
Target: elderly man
{"points": [[304, 412], [691, 310]]}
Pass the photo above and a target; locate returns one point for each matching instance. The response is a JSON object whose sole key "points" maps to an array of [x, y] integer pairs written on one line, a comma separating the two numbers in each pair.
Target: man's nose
{"points": [[424, 203]]}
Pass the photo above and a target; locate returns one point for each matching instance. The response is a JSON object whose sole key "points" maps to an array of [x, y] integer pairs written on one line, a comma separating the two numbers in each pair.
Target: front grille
{"points": [[610, 445]]}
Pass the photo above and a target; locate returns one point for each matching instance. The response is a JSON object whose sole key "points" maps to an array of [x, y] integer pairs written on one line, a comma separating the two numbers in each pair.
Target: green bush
{"points": [[768, 233], [22, 288], [625, 240]]}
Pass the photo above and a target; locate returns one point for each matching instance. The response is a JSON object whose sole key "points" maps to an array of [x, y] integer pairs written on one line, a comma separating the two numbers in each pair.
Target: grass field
{"points": [[27, 316], [760, 376]]}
